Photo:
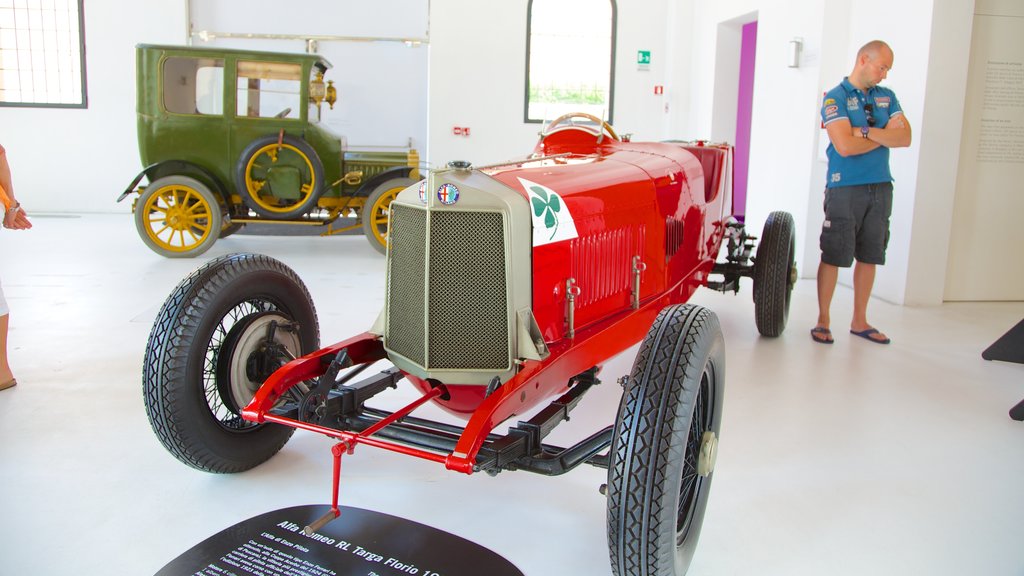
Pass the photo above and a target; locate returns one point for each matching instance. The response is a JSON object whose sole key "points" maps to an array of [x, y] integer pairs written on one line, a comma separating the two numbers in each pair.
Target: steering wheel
{"points": [[283, 113], [567, 120]]}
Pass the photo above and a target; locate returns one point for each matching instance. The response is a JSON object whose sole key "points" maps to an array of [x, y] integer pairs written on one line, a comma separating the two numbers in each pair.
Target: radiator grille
{"points": [[469, 317], [467, 326], [406, 282]]}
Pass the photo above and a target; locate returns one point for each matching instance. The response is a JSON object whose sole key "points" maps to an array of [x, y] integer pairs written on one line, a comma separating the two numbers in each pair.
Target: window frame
{"points": [[165, 89], [264, 70], [84, 104], [611, 65]]}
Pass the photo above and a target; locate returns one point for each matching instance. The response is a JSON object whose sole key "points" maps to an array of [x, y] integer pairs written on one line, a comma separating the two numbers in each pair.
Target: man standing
{"points": [[863, 120]]}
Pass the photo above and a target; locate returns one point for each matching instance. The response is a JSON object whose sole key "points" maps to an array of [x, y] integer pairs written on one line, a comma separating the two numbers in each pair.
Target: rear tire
{"points": [[774, 274], [192, 396], [670, 414], [230, 229], [178, 217]]}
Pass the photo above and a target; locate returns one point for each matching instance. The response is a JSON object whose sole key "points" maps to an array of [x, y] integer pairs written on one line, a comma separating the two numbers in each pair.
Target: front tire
{"points": [[774, 274], [663, 449], [211, 347], [375, 211]]}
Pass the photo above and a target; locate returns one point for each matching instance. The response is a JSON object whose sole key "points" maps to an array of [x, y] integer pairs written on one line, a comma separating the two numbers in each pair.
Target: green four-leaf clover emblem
{"points": [[548, 206]]}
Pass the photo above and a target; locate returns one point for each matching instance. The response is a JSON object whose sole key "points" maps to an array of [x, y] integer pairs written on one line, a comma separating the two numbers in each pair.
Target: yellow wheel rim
{"points": [[256, 176], [178, 218], [378, 214]]}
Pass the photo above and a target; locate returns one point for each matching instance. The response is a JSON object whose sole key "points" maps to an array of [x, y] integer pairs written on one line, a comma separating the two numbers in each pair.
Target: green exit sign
{"points": [[643, 60]]}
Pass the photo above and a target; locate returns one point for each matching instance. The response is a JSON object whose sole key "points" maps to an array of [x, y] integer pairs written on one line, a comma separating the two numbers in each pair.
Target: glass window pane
{"points": [[41, 48], [210, 88], [194, 85], [570, 50], [269, 89]]}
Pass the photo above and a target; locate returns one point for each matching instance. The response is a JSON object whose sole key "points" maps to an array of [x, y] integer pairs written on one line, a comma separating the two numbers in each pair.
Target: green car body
{"points": [[230, 137]]}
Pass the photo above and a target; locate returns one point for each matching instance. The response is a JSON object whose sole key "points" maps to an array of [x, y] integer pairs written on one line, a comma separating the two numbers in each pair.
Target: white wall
{"points": [[637, 109], [380, 18], [680, 64], [477, 78], [939, 136], [834, 62], [985, 261], [80, 160], [476, 81], [785, 109], [728, 49], [381, 84], [787, 168]]}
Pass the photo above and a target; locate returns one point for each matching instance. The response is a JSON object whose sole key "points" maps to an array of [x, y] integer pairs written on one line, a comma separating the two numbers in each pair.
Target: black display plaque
{"points": [[358, 543], [1008, 348]]}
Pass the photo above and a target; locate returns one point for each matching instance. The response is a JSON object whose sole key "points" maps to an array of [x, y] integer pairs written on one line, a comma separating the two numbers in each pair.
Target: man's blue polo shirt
{"points": [[846, 101]]}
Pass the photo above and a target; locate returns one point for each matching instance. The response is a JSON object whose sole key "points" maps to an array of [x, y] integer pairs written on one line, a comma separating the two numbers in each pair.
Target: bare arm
{"points": [[5, 175], [845, 141], [896, 133], [15, 217]]}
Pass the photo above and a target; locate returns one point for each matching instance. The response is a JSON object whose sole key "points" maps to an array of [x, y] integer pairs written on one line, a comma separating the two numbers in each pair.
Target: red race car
{"points": [[508, 286]]}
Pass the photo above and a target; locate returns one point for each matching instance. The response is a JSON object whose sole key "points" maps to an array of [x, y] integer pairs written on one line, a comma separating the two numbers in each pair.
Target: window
{"points": [[194, 86], [570, 49], [42, 53], [269, 89]]}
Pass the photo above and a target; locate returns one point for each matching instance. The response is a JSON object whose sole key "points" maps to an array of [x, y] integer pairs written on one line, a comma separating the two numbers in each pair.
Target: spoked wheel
{"points": [[256, 345], [375, 211], [220, 334], [279, 177], [178, 217], [664, 446], [775, 274]]}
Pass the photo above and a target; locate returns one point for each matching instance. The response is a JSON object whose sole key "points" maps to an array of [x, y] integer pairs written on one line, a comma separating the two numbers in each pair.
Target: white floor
{"points": [[849, 459]]}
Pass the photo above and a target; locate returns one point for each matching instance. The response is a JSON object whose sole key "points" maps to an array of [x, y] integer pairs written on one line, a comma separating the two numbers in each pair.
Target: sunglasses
{"points": [[869, 110]]}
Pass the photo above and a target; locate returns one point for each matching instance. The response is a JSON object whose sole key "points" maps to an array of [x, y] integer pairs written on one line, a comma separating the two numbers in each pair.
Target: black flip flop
{"points": [[866, 334], [821, 335]]}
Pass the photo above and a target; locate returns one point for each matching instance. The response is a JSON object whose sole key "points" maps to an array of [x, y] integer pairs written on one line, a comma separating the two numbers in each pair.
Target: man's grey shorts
{"points": [[856, 224]]}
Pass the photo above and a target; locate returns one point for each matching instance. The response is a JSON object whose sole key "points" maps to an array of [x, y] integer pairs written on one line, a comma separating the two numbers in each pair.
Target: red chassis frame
{"points": [[536, 382]]}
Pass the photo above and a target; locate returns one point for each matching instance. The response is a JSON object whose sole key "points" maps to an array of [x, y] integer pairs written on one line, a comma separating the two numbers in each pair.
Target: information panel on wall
{"points": [[985, 259]]}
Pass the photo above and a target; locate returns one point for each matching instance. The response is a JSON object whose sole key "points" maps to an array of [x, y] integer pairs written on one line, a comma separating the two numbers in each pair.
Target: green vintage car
{"points": [[232, 137]]}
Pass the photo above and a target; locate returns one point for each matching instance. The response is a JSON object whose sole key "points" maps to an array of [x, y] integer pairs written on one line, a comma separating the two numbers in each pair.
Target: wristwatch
{"points": [[864, 131]]}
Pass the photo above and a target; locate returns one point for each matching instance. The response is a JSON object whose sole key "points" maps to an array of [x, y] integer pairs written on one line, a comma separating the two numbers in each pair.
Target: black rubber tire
{"points": [[656, 499], [298, 153], [230, 229], [183, 403], [171, 208], [377, 204], [774, 274]]}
